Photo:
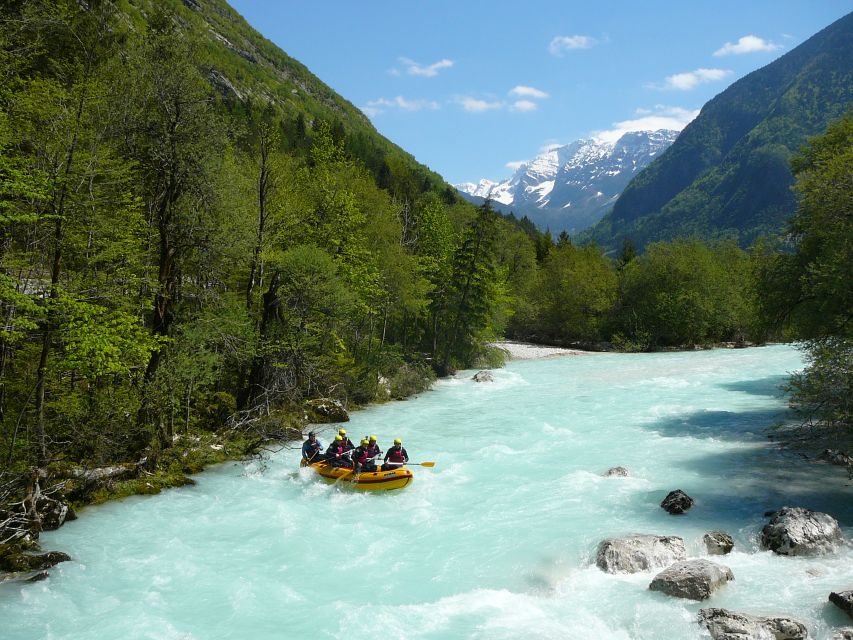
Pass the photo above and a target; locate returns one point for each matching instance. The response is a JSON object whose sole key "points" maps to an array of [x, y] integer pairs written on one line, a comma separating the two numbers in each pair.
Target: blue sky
{"points": [[473, 88]]}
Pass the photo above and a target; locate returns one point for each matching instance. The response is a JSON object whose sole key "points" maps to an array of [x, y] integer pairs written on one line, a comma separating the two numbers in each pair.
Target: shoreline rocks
{"points": [[483, 376], [723, 624], [692, 579], [718, 543], [677, 502], [640, 552], [843, 600], [795, 531]]}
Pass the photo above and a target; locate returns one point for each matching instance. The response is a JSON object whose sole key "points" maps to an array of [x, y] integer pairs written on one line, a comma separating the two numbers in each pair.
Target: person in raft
{"points": [[312, 449], [396, 456], [373, 448], [335, 454], [362, 459], [348, 445]]}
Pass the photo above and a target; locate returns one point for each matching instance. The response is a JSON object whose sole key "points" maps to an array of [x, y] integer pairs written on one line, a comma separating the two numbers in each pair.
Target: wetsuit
{"points": [[312, 451], [335, 455], [396, 454]]}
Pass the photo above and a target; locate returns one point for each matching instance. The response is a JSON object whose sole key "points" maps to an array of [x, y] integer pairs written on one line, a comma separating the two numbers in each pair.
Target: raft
{"points": [[365, 481]]}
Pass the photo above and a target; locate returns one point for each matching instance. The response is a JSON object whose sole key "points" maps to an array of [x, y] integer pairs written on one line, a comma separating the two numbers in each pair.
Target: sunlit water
{"points": [[495, 542]]}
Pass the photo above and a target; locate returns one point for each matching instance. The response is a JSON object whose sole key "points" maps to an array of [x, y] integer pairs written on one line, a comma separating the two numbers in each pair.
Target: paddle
{"points": [[414, 464]]}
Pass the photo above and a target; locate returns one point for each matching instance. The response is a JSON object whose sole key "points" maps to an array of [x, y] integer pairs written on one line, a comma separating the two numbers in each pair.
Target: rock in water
{"points": [[676, 502], [53, 513], [639, 552], [617, 472], [322, 410], [843, 600], [729, 625], [483, 376], [844, 633], [718, 543], [794, 531], [692, 579]]}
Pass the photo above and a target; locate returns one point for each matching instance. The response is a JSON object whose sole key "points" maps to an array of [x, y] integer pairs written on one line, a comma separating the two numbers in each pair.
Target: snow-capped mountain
{"points": [[572, 187]]}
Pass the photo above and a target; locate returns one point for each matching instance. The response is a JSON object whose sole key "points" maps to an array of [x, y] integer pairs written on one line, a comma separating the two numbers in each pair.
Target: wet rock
{"points": [[483, 376], [692, 579], [23, 576], [324, 410], [844, 633], [616, 472], [53, 513], [677, 502], [14, 559], [834, 456], [843, 600], [640, 552], [718, 543], [794, 531], [723, 624]]}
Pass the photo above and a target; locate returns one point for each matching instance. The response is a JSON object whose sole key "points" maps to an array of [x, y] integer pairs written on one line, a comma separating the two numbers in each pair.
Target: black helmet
{"points": [[311, 433]]}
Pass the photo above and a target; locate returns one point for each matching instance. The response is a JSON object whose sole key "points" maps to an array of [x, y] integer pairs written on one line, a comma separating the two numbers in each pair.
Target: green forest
{"points": [[177, 264]]}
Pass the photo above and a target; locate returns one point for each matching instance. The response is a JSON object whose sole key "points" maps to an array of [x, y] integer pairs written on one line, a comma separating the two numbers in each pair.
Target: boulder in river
{"points": [[15, 559], [723, 624], [483, 376], [794, 531], [324, 410], [640, 552], [616, 472], [676, 502], [843, 600], [23, 576], [844, 633], [692, 579], [718, 543]]}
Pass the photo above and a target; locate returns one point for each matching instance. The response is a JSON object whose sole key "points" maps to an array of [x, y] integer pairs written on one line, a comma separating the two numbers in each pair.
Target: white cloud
{"points": [[475, 105], [527, 92], [375, 107], [427, 71], [691, 79], [747, 44], [523, 106], [560, 44], [515, 165], [660, 117]]}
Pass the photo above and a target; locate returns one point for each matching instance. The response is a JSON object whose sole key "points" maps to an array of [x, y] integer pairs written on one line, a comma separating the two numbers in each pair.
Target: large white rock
{"points": [[794, 531], [692, 579], [640, 552], [730, 625]]}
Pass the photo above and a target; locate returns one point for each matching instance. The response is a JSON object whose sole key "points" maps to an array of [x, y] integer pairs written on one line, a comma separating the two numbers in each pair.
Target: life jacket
{"points": [[335, 449], [395, 454], [362, 455], [373, 450]]}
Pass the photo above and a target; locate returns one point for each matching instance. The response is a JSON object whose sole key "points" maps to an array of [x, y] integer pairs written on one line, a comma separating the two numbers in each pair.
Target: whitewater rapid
{"points": [[496, 542]]}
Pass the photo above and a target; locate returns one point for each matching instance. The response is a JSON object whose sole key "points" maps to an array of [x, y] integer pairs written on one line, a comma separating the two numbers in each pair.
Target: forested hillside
{"points": [[728, 175]]}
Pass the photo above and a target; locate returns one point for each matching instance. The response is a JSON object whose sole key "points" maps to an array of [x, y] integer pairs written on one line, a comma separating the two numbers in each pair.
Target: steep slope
{"points": [[727, 175], [571, 187], [249, 72]]}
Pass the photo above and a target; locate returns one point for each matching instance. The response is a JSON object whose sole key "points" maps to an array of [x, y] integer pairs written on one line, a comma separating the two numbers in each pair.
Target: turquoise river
{"points": [[496, 542]]}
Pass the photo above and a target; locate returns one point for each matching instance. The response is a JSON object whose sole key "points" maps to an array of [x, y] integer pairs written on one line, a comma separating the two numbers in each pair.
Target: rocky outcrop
{"points": [[14, 559], [834, 456], [325, 410], [483, 376], [53, 513], [23, 576], [794, 531], [692, 579], [718, 543], [843, 600], [677, 502], [616, 472], [844, 633], [723, 624], [640, 552]]}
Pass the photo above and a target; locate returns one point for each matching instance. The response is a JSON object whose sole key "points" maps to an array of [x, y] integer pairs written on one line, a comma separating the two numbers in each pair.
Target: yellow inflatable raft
{"points": [[365, 481]]}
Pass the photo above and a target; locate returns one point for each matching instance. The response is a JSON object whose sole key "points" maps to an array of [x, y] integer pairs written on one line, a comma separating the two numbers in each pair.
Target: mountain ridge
{"points": [[571, 187]]}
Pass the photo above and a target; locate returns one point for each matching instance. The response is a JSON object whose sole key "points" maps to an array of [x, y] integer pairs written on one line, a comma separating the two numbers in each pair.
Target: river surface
{"points": [[496, 542]]}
